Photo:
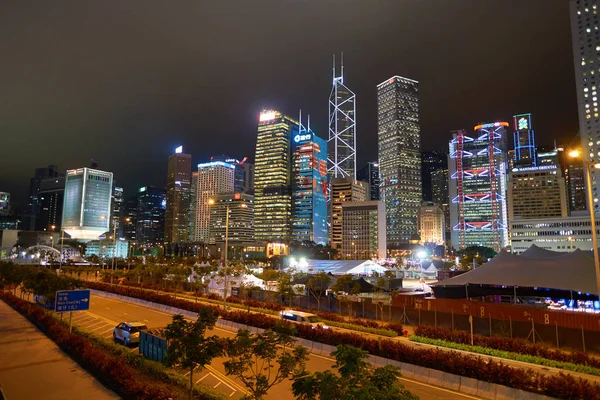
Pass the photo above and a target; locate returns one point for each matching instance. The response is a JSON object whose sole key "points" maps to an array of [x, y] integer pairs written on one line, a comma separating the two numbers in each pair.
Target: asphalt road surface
{"points": [[104, 314]]}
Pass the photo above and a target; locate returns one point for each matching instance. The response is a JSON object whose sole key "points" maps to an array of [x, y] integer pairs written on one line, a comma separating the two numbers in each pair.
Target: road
{"points": [[104, 314]]}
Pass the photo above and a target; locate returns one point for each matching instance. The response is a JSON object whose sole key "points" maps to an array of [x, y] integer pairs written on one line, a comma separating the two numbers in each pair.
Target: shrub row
{"points": [[508, 355], [559, 386], [519, 346], [109, 369]]}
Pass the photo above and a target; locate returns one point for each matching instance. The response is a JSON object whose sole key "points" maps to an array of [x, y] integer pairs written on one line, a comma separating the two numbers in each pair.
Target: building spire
{"points": [[342, 72], [334, 67]]}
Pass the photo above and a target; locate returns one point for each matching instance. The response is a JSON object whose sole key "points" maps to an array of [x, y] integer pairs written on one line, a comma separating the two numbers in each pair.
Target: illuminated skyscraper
{"points": [[192, 207], [399, 141], [150, 215], [342, 128], [117, 210], [178, 197], [309, 187], [87, 203], [585, 33], [272, 181], [524, 140], [343, 190], [214, 177], [478, 213]]}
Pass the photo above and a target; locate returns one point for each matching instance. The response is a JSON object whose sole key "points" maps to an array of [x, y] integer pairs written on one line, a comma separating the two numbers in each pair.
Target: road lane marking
{"points": [[106, 331], [228, 381], [200, 380], [214, 387], [100, 327], [88, 327]]}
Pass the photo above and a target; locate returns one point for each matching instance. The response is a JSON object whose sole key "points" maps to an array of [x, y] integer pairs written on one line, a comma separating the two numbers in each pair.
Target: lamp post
{"points": [[588, 174], [570, 243]]}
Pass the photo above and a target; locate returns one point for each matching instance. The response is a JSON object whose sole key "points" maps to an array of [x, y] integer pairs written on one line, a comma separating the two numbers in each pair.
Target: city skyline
{"points": [[152, 118]]}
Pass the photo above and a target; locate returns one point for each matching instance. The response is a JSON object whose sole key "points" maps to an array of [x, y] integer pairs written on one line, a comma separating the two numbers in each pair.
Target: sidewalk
{"points": [[33, 367]]}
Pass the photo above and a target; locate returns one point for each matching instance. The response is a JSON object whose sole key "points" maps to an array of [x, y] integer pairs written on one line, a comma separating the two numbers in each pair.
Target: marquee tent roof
{"points": [[342, 267], [536, 268]]}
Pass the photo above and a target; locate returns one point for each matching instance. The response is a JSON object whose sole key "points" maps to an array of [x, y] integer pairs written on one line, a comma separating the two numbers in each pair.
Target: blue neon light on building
{"points": [[309, 187], [524, 140]]}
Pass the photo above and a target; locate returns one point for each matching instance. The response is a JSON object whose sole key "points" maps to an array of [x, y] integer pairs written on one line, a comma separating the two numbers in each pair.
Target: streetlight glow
{"points": [[574, 153]]}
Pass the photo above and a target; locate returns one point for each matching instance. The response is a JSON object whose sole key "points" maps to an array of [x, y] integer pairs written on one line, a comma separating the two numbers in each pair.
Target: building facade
{"points": [[118, 210], [272, 177], [557, 234], [342, 128], [192, 207], [370, 174], [4, 203], [241, 218], [575, 174], [585, 34], [87, 203], [107, 248], [214, 177], [524, 141], [35, 182], [50, 201], [478, 211], [431, 161], [399, 142], [363, 230], [536, 192], [248, 178], [432, 224], [150, 216], [343, 190], [179, 170], [310, 186]]}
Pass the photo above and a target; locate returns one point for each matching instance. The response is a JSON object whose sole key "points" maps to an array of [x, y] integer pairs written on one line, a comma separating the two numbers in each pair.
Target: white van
{"points": [[301, 317]]}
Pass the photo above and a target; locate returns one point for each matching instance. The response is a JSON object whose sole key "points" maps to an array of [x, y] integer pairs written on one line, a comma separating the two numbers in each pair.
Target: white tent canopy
{"points": [[341, 267], [536, 268]]}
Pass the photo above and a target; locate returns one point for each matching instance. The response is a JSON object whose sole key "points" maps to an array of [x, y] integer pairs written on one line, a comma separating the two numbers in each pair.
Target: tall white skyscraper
{"points": [[213, 178], [399, 142], [586, 53], [341, 144], [87, 203]]}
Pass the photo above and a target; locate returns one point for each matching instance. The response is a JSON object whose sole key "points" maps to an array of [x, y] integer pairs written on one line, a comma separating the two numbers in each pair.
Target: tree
{"points": [[187, 345], [285, 287], [317, 286], [263, 360], [355, 380], [480, 253], [343, 283]]}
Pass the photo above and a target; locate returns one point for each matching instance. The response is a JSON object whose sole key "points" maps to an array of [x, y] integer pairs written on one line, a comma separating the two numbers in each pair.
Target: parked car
{"points": [[128, 332], [301, 317]]}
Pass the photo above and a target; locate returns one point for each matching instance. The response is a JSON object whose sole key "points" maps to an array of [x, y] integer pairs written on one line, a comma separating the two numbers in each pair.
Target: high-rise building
{"points": [[439, 195], [241, 218], [118, 208], [370, 174], [50, 200], [150, 216], [192, 207], [524, 141], [432, 224], [130, 218], [431, 161], [439, 186], [399, 143], [575, 175], [239, 175], [343, 190], [585, 33], [536, 192], [341, 144], [363, 230], [179, 172], [214, 177], [478, 187], [272, 180], [309, 187], [4, 203], [248, 178], [87, 203], [40, 174]]}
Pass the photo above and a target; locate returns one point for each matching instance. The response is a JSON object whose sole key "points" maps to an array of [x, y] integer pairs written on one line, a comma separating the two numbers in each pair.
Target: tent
{"points": [[341, 267], [537, 272]]}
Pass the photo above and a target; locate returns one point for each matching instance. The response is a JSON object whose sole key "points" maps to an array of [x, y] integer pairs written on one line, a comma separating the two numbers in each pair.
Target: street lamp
{"points": [[588, 170], [354, 247]]}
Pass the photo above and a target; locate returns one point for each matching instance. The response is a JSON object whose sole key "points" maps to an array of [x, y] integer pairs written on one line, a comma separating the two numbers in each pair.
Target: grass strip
{"points": [[508, 355]]}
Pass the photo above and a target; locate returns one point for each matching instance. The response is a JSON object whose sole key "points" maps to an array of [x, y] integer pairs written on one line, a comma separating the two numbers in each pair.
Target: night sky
{"points": [[125, 82]]}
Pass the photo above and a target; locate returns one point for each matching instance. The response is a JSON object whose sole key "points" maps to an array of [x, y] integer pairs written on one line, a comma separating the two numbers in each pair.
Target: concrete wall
{"points": [[457, 383]]}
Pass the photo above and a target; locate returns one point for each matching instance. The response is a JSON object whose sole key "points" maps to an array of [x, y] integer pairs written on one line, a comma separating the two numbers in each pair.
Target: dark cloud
{"points": [[125, 82]]}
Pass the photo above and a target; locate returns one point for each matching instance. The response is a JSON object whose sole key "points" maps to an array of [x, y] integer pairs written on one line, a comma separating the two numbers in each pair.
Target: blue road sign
{"points": [[72, 300]]}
